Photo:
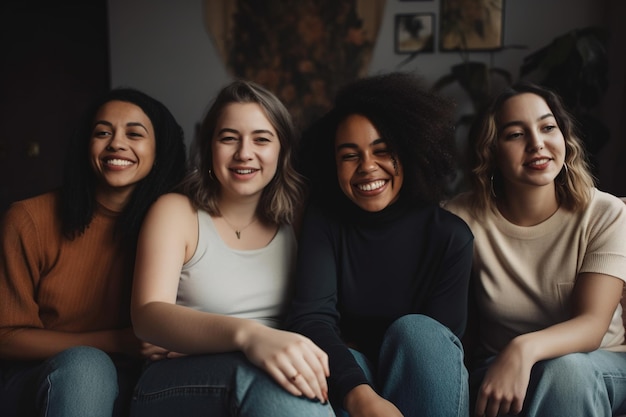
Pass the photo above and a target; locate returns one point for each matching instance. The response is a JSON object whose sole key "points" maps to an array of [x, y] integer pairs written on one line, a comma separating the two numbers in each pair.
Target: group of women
{"points": [[268, 277]]}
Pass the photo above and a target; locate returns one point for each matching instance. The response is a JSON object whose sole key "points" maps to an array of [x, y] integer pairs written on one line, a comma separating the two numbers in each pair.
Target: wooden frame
{"points": [[414, 32], [471, 25]]}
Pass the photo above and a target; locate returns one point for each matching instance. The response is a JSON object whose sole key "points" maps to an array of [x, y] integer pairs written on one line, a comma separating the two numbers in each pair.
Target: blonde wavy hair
{"points": [[574, 182]]}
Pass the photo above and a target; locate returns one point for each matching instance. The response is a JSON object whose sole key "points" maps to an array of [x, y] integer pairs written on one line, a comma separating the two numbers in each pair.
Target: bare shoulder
{"points": [[173, 204], [171, 213]]}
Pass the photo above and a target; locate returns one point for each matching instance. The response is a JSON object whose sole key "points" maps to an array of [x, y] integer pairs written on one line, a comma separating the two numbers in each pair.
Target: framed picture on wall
{"points": [[414, 33], [471, 25]]}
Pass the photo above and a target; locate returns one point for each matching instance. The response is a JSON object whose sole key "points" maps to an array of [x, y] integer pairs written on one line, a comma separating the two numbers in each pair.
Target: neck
{"points": [[238, 214], [114, 200], [530, 206]]}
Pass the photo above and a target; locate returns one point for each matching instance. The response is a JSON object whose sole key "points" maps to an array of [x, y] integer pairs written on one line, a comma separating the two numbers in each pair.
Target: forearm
{"points": [[189, 331], [37, 344], [579, 334]]}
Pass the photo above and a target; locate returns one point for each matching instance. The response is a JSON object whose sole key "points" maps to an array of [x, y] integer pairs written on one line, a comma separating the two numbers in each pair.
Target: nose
{"points": [[117, 142], [535, 143], [244, 152], [368, 163]]}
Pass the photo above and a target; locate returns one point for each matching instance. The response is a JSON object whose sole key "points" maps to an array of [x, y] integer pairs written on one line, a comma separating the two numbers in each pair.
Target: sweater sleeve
{"points": [[448, 301], [19, 272], [605, 229], [314, 309]]}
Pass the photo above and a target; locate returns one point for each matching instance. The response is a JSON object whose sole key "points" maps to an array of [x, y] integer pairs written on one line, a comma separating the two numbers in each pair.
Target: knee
{"points": [[418, 329], [420, 336], [84, 368], [568, 370]]}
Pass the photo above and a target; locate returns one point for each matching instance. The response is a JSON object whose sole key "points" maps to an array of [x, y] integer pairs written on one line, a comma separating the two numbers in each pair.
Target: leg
{"points": [[421, 368], [80, 381], [218, 385], [578, 384]]}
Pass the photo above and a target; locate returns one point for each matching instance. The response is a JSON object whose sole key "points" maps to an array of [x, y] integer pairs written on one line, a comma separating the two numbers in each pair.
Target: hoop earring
{"points": [[565, 174], [493, 190], [211, 176]]}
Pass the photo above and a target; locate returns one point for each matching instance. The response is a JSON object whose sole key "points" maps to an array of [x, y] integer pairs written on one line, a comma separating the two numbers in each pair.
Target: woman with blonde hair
{"points": [[550, 265]]}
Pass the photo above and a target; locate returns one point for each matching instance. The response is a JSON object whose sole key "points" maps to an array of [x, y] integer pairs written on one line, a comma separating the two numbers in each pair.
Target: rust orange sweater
{"points": [[48, 281]]}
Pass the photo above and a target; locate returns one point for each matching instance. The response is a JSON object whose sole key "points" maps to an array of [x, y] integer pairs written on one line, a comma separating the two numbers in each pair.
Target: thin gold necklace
{"points": [[241, 229]]}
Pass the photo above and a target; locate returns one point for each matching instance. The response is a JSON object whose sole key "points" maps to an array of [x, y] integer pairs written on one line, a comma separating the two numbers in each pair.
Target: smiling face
{"points": [[530, 145], [246, 150], [122, 148], [368, 173]]}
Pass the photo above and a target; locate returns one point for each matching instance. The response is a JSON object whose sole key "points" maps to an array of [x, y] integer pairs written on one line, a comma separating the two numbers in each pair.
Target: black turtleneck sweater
{"points": [[359, 271]]}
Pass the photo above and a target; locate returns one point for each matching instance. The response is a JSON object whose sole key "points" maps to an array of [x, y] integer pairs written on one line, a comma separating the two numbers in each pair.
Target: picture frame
{"points": [[414, 32], [471, 25]]}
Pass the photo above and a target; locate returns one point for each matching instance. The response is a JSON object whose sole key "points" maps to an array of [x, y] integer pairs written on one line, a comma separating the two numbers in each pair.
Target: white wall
{"points": [[163, 48]]}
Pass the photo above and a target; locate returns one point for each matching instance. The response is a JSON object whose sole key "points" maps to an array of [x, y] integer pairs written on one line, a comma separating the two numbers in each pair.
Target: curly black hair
{"points": [[416, 122]]}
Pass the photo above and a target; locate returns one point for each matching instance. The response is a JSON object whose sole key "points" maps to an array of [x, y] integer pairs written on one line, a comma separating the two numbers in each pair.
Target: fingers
{"points": [[157, 353], [303, 370], [495, 405]]}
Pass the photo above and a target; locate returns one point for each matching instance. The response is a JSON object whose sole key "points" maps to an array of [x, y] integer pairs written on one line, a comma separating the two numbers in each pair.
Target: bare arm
{"points": [[594, 301], [167, 240]]}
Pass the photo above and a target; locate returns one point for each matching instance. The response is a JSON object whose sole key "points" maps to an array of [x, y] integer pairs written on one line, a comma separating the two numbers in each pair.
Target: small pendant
{"points": [[238, 233]]}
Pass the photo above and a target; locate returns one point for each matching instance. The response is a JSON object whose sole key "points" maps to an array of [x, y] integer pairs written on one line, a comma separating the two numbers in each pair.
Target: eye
{"points": [[550, 128], [512, 135], [135, 134], [101, 134], [227, 139], [262, 140], [351, 156]]}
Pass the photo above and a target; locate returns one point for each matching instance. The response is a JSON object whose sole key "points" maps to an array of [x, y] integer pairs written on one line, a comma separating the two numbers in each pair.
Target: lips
{"points": [[243, 171], [371, 186], [538, 162], [117, 162]]}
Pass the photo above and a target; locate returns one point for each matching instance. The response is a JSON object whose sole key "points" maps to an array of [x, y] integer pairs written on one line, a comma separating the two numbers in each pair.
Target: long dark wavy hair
{"points": [[283, 196], [79, 183], [416, 123]]}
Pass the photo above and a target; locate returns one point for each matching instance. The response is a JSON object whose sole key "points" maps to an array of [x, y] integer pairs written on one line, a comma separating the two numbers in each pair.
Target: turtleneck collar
{"points": [[354, 214]]}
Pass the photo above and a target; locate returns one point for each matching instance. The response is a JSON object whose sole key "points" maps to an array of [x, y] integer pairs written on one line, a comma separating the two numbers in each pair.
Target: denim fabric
{"points": [[78, 382], [217, 385], [575, 385], [420, 369]]}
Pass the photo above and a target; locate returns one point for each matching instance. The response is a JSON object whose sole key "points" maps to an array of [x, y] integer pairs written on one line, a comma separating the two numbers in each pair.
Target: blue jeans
{"points": [[78, 382], [420, 369], [216, 385], [575, 385]]}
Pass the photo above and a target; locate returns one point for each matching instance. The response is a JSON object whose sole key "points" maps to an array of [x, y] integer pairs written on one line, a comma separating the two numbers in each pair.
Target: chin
{"points": [[373, 207]]}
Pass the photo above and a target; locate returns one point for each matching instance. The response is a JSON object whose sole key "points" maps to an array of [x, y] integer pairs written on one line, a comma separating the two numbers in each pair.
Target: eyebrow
{"points": [[350, 145], [258, 131], [519, 122], [104, 122]]}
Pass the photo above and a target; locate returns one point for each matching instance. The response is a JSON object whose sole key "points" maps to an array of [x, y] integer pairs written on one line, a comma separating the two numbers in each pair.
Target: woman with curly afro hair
{"points": [[382, 273]]}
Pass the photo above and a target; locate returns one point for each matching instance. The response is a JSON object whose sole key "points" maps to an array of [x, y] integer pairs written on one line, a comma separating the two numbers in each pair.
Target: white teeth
{"points": [[371, 186], [539, 161], [244, 171], [118, 162]]}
